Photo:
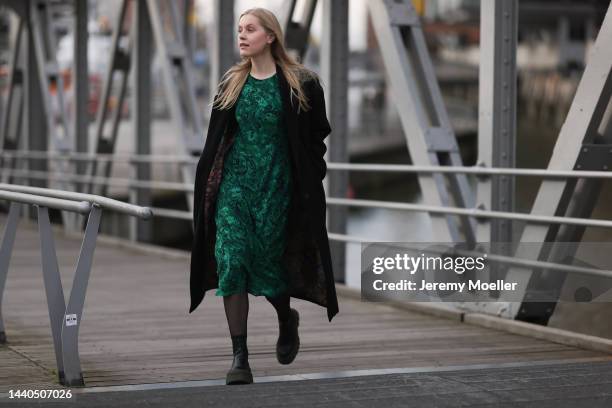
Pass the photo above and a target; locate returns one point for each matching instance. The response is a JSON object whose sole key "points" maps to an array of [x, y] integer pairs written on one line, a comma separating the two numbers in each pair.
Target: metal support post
{"points": [[497, 118], [6, 249], [65, 321], [80, 91], [142, 114], [221, 56], [81, 86], [334, 70], [53, 286], [74, 311], [35, 129], [497, 124]]}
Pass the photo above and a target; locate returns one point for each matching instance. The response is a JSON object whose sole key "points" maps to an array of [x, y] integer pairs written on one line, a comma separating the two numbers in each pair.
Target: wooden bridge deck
{"points": [[136, 328]]}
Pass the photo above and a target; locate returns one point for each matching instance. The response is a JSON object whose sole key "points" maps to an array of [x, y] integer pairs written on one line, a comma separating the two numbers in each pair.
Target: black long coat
{"points": [[307, 257]]}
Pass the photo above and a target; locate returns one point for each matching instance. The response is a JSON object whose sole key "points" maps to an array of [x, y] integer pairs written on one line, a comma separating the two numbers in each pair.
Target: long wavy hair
{"points": [[233, 80]]}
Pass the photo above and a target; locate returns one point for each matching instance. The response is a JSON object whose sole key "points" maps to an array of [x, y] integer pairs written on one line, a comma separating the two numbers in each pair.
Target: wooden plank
{"points": [[18, 372]]}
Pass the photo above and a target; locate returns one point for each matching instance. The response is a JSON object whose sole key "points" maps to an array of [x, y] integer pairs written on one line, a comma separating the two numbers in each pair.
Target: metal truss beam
{"points": [[119, 64], [298, 30], [429, 135], [11, 118], [167, 35], [587, 126], [44, 43]]}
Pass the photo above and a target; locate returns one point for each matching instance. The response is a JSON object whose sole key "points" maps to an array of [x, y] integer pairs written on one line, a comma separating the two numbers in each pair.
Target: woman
{"points": [[259, 204]]}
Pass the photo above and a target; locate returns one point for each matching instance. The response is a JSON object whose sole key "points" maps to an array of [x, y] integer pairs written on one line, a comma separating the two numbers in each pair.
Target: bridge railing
{"points": [[481, 172], [65, 318], [348, 202]]}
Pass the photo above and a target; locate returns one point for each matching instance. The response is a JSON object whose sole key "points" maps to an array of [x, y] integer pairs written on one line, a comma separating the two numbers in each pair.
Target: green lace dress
{"points": [[253, 198]]}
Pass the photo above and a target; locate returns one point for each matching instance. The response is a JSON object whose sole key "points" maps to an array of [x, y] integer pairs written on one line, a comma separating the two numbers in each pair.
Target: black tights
{"points": [[281, 304], [237, 310]]}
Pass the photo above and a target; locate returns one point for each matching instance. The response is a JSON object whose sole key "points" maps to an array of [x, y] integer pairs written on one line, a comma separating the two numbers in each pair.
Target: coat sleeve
{"points": [[320, 128]]}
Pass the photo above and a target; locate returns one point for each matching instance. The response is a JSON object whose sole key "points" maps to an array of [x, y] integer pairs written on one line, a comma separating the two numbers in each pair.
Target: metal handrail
{"points": [[70, 197], [65, 317], [81, 207], [352, 202], [77, 156], [474, 212], [372, 167], [99, 180], [475, 170], [509, 260]]}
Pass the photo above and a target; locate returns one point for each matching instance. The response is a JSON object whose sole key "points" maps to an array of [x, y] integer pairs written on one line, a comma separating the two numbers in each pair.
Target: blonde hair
{"points": [[233, 80]]}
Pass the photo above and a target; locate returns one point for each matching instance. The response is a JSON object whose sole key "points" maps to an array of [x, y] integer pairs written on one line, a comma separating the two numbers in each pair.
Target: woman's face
{"points": [[252, 38]]}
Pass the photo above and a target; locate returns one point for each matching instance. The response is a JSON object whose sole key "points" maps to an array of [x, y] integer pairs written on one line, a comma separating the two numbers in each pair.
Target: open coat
{"points": [[307, 258]]}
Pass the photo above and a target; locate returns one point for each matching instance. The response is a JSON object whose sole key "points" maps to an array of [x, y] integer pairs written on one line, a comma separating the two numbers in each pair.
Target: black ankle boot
{"points": [[240, 372], [288, 342]]}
